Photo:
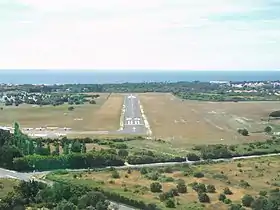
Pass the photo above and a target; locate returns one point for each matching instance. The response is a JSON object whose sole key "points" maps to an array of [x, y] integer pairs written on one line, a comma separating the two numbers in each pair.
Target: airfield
{"points": [[157, 115]]}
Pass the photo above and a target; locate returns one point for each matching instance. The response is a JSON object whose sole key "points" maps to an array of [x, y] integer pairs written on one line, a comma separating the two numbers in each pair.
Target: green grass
{"points": [[6, 186]]}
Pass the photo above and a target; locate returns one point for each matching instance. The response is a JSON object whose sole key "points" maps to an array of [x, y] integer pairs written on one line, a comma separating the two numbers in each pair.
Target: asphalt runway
{"points": [[133, 122]]}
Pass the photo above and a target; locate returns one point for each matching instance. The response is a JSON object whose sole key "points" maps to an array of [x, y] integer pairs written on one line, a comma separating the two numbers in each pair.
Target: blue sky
{"points": [[147, 34]]}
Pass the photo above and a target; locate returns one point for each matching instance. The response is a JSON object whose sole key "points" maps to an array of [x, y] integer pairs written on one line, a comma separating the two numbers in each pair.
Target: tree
{"points": [[170, 203], [65, 205], [210, 188], [76, 147], [155, 187], [94, 199], [84, 148], [268, 129], [247, 200], [203, 197], [227, 191], [193, 157], [222, 197], [123, 153]]}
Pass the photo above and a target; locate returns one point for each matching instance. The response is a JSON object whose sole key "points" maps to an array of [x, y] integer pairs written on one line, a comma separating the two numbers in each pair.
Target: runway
{"points": [[133, 122]]}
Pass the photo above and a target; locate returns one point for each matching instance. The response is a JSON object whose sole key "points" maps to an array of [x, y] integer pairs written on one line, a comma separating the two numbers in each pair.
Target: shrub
{"points": [[115, 174], [155, 187], [235, 207], [268, 129], [199, 187], [198, 174], [244, 184], [153, 176], [239, 165], [222, 197], [227, 191], [220, 177], [262, 193], [167, 169], [170, 203], [181, 187], [174, 192], [243, 132], [166, 179], [71, 108], [143, 171], [210, 188], [129, 171], [203, 198], [247, 200]]}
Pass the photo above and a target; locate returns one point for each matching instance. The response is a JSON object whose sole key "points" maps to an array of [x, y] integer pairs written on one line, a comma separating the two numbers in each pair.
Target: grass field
{"points": [[261, 174], [6, 186], [105, 115], [195, 122]]}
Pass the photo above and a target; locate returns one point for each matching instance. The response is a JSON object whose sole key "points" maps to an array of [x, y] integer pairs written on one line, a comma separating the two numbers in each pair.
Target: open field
{"points": [[195, 122], [104, 115], [260, 174], [6, 186]]}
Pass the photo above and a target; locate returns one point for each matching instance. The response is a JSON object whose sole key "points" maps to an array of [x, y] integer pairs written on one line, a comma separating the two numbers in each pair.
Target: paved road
{"points": [[133, 122]]}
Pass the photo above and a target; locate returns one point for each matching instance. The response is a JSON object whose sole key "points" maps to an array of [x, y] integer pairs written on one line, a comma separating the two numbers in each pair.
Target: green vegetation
{"points": [[183, 191]]}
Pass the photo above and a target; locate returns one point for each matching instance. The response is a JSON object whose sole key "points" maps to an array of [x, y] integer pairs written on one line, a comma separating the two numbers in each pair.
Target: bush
{"points": [[239, 165], [181, 187], [71, 108], [153, 176], [199, 187], [243, 132], [174, 192], [170, 203], [210, 188], [227, 191], [143, 171], [244, 184], [247, 200], [222, 197], [155, 187], [268, 129], [198, 174], [203, 198], [115, 174], [235, 207], [263, 193], [167, 169]]}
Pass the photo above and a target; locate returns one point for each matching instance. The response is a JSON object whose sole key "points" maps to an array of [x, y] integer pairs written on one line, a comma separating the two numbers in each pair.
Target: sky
{"points": [[146, 34]]}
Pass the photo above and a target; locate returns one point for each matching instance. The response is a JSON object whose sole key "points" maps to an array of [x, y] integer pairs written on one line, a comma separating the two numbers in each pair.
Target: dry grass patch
{"points": [[205, 122], [87, 117]]}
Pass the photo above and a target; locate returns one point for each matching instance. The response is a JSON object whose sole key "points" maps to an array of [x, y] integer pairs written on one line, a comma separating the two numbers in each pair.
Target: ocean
{"points": [[133, 76]]}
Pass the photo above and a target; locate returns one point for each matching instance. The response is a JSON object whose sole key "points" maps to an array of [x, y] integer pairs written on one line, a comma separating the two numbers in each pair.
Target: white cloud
{"points": [[123, 34]]}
